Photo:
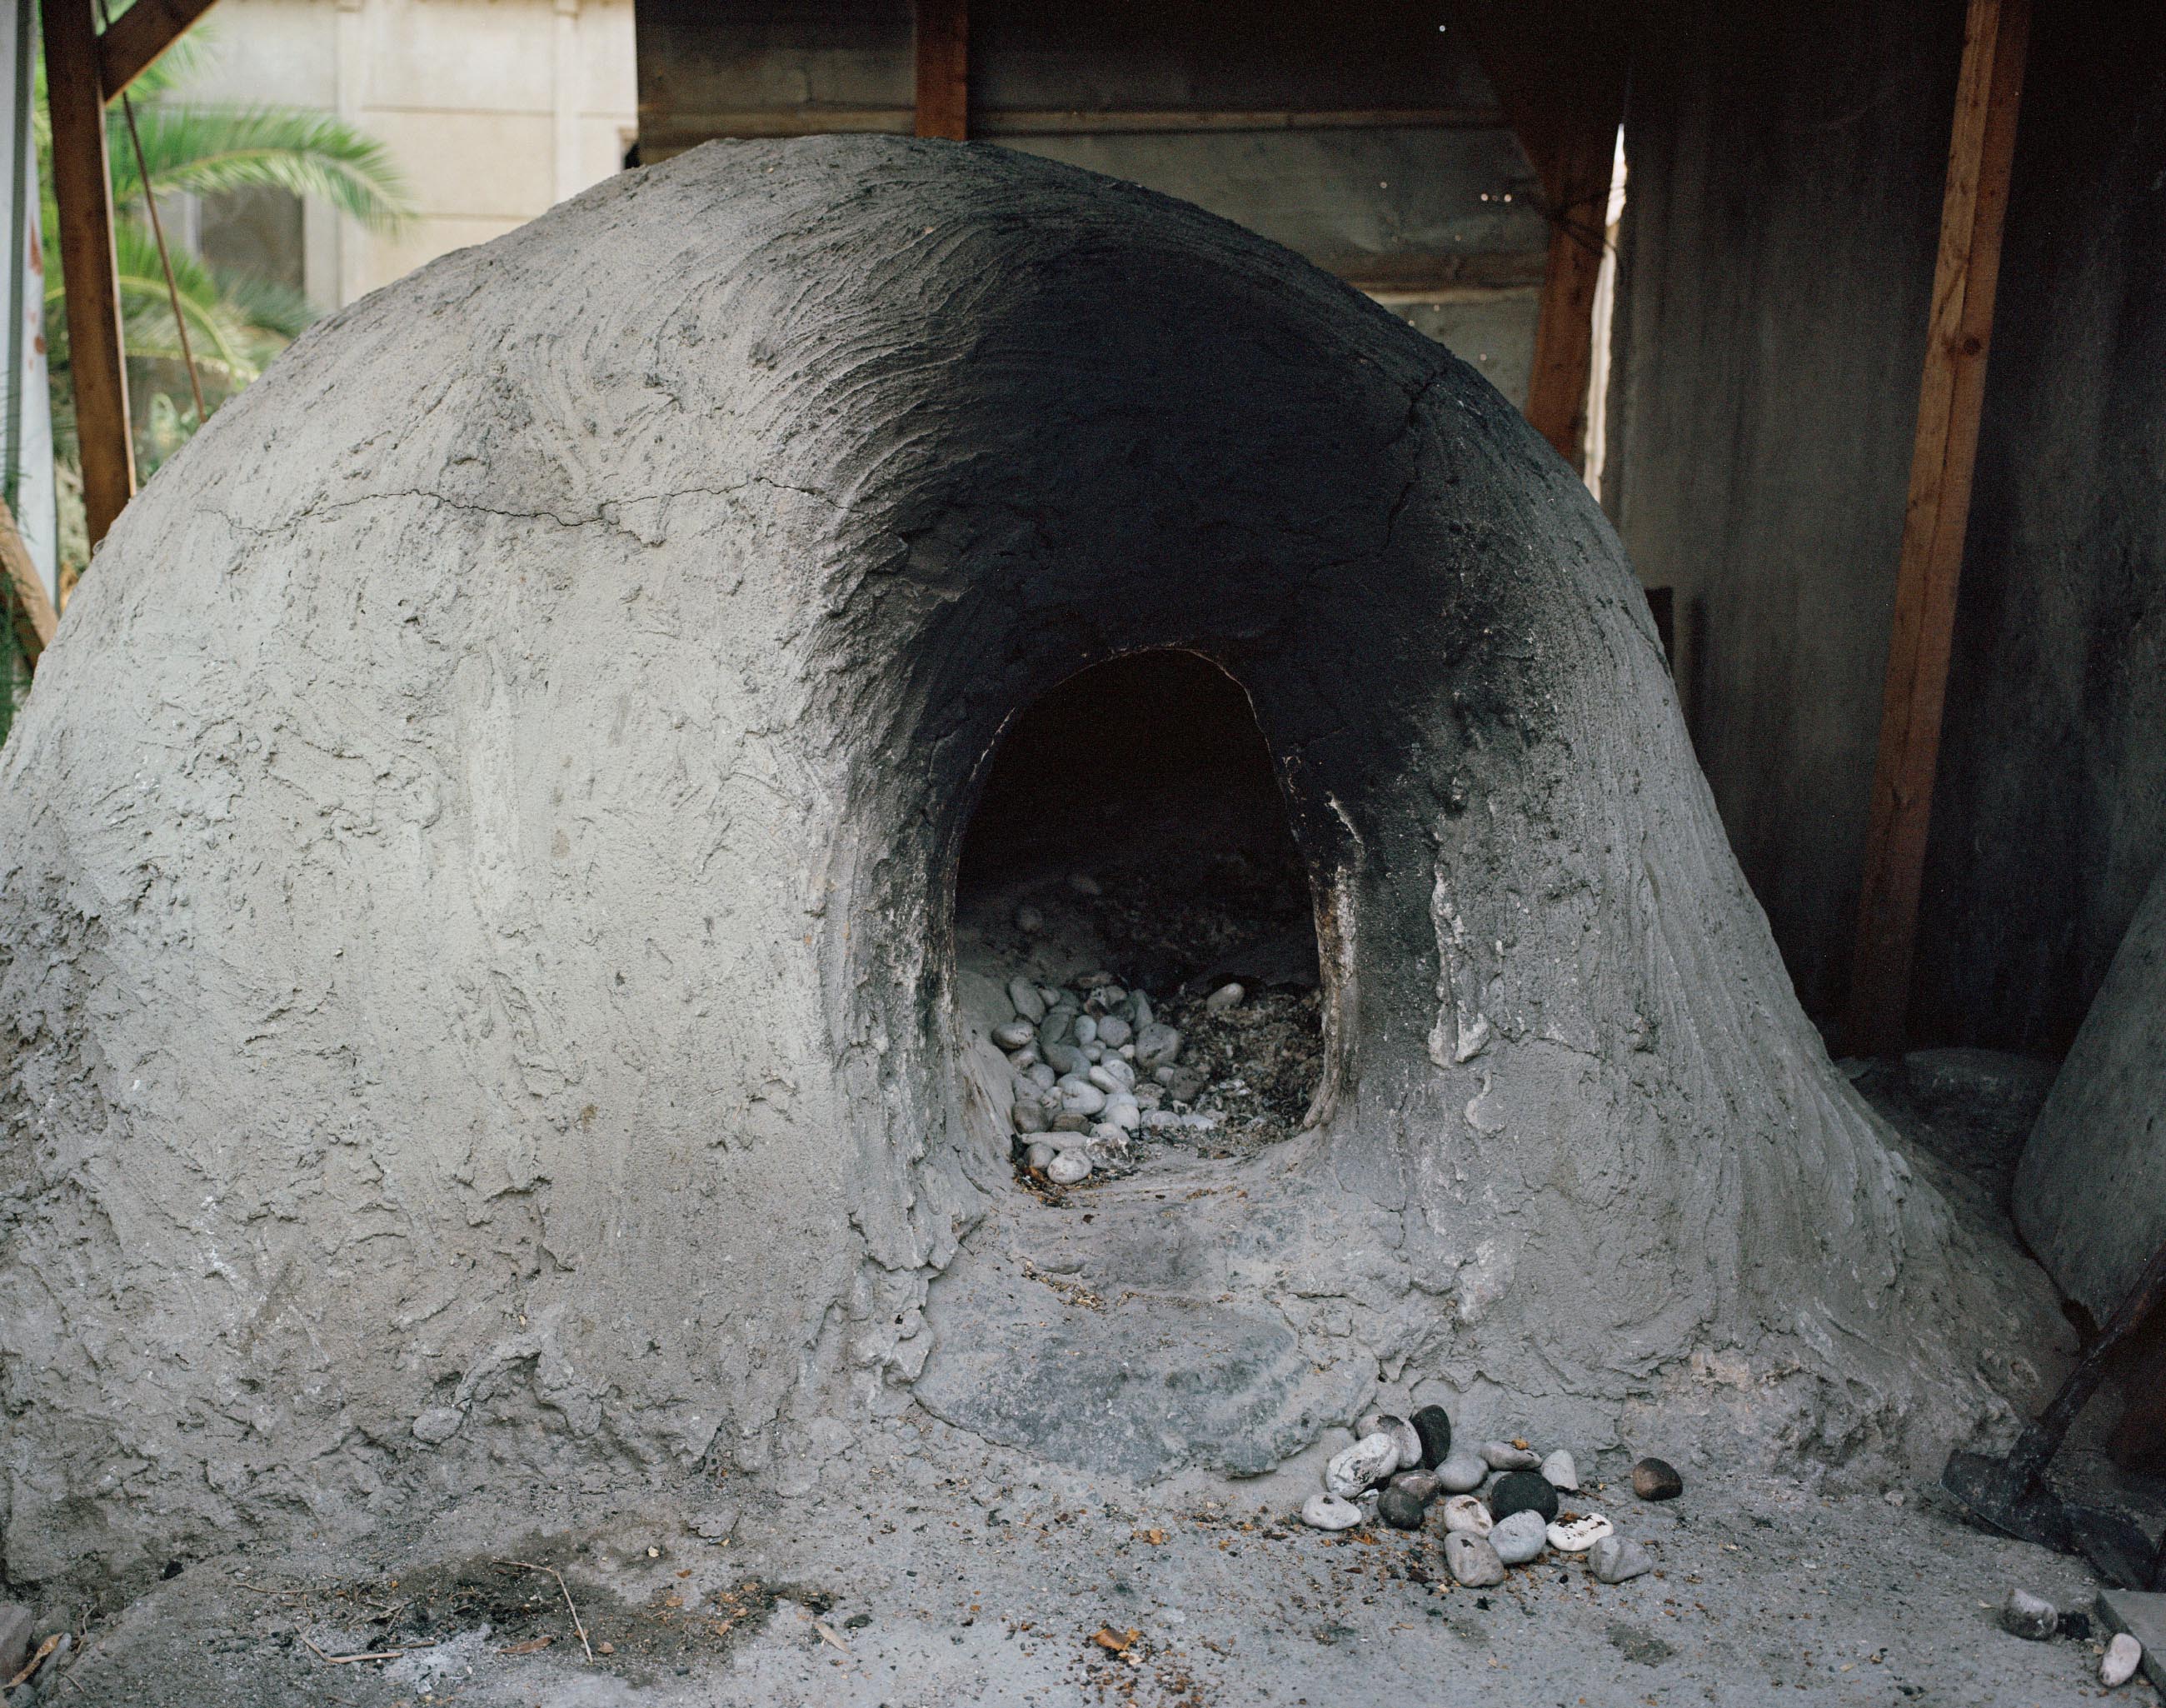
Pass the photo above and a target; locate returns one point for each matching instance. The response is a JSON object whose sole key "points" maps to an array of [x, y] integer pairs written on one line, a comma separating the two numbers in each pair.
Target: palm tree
{"points": [[235, 324]]}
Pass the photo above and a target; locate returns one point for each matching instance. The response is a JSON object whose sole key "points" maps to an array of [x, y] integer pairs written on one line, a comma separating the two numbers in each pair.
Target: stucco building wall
{"points": [[493, 111]]}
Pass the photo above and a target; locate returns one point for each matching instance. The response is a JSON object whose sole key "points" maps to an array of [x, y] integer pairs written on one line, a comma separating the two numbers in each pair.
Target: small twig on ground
{"points": [[387, 1654], [258, 1589], [528, 1565]]}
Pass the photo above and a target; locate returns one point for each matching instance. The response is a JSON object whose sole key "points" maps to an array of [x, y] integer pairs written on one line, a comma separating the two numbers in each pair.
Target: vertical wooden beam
{"points": [[1981, 152], [83, 189], [1564, 330], [1558, 67], [943, 69]]}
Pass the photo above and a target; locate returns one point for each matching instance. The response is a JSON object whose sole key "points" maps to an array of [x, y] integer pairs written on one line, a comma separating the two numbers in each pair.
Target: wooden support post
{"points": [[1578, 186], [1558, 68], [23, 590], [1981, 152], [83, 189], [139, 35], [943, 69]]}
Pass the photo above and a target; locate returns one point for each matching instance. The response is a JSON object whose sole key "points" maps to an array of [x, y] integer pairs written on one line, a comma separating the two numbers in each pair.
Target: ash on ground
{"points": [[1260, 1060]]}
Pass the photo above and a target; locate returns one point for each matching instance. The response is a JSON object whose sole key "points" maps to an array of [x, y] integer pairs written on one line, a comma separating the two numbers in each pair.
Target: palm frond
{"points": [[274, 311], [208, 149], [222, 341]]}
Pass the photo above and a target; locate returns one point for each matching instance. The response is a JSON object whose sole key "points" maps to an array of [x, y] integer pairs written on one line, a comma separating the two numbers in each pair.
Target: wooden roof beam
{"points": [[139, 35]]}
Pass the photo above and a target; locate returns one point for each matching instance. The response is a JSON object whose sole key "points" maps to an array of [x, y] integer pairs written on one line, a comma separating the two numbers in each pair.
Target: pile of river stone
{"points": [[1094, 1068], [1401, 1467]]}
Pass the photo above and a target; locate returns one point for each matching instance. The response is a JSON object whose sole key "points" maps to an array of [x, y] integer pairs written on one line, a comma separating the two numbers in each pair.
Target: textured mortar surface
{"points": [[477, 993], [2090, 1190]]}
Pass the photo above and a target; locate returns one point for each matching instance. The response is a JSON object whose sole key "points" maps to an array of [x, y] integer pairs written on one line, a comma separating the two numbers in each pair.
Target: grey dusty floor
{"points": [[930, 1568], [916, 1590]]}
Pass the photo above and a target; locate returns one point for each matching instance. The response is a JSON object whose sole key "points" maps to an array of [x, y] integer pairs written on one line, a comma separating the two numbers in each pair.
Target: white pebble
{"points": [[1085, 1031], [1157, 1045], [1466, 1515], [1039, 1156], [1580, 1534], [1023, 997], [1113, 1032], [2032, 1617], [2118, 1665], [1068, 1167], [1323, 1511], [1014, 1034], [1398, 1428], [1369, 1460], [1224, 997], [1124, 1112], [1614, 1560], [1461, 1471], [1559, 1471], [1078, 1097], [1502, 1456], [1473, 1561], [1519, 1538]]}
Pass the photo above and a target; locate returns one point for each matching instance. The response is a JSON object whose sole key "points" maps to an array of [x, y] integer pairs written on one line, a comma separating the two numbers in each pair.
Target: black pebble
{"points": [[1398, 1508], [1433, 1424], [1523, 1491], [1656, 1479], [2076, 1626]]}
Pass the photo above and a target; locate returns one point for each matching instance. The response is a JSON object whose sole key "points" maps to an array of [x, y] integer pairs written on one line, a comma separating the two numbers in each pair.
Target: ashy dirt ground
{"points": [[931, 1568], [944, 1574]]}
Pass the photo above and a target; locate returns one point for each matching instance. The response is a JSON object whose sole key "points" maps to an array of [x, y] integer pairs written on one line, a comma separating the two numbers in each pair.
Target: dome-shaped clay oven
{"points": [[476, 958]]}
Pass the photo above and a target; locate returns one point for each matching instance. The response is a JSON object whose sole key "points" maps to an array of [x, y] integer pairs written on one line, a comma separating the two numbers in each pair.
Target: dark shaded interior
{"points": [[1147, 777]]}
